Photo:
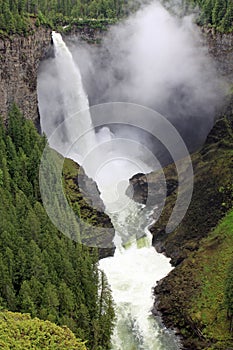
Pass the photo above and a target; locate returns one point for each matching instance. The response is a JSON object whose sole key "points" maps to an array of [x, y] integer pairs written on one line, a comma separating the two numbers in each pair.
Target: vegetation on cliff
{"points": [[215, 13], [83, 196], [211, 303], [15, 15], [19, 331], [196, 297], [42, 272]]}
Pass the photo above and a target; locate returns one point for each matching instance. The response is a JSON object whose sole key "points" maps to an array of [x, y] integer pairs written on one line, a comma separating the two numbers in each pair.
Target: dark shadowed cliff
{"points": [[191, 297]]}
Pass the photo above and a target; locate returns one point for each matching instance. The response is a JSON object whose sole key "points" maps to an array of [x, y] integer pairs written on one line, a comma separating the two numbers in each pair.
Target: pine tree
{"points": [[25, 299], [5, 174], [16, 126], [227, 22], [218, 12], [50, 302], [106, 311], [66, 299], [42, 271], [207, 11]]}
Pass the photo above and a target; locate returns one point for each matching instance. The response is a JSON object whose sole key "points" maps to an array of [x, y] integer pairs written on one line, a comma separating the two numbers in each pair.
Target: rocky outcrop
{"points": [[83, 195], [91, 32], [19, 60]]}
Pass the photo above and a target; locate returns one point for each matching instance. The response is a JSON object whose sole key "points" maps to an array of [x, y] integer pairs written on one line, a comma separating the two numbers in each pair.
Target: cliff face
{"points": [[20, 57], [92, 33], [213, 172], [19, 60], [221, 48], [210, 174], [191, 297]]}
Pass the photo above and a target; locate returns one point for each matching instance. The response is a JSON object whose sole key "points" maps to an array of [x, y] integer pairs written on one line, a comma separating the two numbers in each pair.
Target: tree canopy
{"points": [[42, 272], [216, 13], [14, 15], [20, 331]]}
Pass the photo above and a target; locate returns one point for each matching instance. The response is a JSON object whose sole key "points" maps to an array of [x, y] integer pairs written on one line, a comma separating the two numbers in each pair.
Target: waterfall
{"points": [[72, 101], [135, 267]]}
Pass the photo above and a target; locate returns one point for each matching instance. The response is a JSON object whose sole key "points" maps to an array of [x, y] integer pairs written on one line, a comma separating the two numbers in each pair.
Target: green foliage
{"points": [[217, 13], [229, 294], [17, 16], [14, 15], [211, 300], [1, 177], [42, 272], [19, 331]]}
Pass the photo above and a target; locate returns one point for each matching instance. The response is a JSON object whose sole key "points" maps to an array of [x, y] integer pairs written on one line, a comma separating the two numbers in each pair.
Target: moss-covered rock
{"points": [[83, 195], [191, 296]]}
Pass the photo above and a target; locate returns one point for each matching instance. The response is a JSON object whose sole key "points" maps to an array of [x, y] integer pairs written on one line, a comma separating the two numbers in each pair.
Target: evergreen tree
{"points": [[218, 12], [227, 22], [42, 271], [25, 299]]}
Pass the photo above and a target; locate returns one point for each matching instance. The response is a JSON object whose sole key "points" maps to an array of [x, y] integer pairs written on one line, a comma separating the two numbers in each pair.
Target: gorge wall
{"points": [[19, 61], [20, 57], [191, 297], [221, 48]]}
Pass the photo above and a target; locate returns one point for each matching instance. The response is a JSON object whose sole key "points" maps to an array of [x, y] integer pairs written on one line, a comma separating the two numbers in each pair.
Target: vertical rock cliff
{"points": [[221, 48], [19, 61]]}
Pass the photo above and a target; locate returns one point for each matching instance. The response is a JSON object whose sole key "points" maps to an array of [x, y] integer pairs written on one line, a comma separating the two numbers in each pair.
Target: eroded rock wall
{"points": [[221, 49], [19, 61]]}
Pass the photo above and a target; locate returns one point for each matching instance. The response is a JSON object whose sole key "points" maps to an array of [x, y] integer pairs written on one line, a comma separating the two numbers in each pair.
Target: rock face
{"points": [[82, 193], [212, 198], [19, 60], [20, 57], [221, 48], [209, 175], [91, 33]]}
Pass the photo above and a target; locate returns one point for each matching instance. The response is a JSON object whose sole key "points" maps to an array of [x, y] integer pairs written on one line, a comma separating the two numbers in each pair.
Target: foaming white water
{"points": [[135, 267], [132, 273]]}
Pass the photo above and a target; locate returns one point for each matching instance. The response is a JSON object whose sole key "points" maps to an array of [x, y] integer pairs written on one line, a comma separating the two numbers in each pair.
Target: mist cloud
{"points": [[154, 59]]}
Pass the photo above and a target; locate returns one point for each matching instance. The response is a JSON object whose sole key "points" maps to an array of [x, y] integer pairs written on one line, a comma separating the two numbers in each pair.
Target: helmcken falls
{"points": [[136, 266]]}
